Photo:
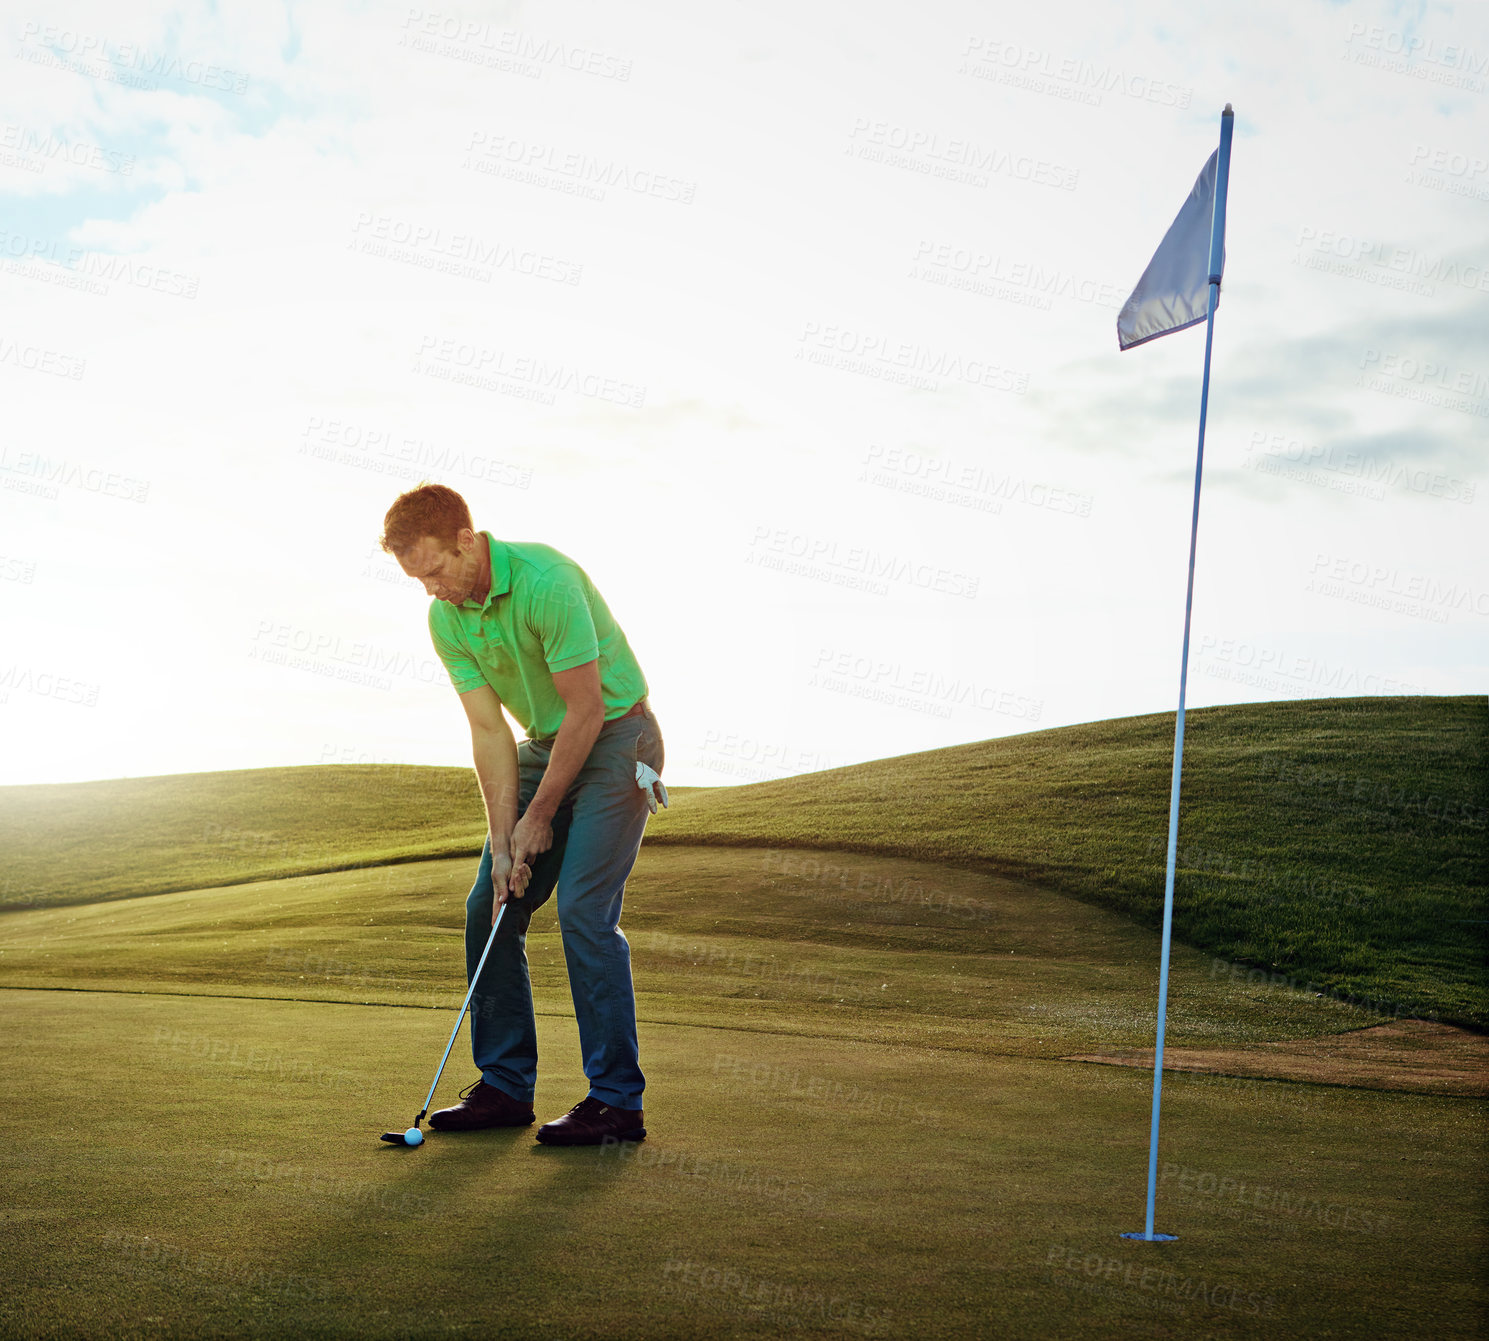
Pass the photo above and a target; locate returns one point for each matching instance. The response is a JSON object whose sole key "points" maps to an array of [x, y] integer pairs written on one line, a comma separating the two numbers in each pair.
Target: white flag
{"points": [[1174, 291]]}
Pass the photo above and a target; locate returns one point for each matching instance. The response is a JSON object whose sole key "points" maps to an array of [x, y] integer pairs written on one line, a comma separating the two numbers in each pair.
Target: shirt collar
{"points": [[501, 570]]}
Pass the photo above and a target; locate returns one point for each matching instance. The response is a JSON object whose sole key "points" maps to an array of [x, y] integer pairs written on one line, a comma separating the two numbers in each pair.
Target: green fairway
{"points": [[859, 1124], [186, 1167], [825, 945], [858, 992], [1339, 842]]}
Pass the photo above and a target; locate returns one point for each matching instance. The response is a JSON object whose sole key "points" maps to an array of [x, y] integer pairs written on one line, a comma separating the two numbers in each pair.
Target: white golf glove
{"points": [[650, 782]]}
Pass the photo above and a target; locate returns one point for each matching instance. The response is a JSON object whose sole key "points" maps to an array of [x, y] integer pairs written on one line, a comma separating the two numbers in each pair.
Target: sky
{"points": [[793, 325]]}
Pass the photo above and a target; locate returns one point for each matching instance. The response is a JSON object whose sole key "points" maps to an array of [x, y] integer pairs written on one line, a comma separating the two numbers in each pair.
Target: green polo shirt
{"points": [[541, 615]]}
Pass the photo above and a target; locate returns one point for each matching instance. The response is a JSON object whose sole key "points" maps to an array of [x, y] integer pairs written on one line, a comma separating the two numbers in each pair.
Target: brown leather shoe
{"points": [[590, 1122], [482, 1105]]}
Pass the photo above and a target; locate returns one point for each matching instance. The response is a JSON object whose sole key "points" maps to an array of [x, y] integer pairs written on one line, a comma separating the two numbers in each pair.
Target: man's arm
{"points": [[584, 715], [495, 754]]}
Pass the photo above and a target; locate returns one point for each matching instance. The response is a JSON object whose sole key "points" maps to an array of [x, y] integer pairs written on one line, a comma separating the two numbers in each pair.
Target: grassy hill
{"points": [[1335, 841], [1338, 841], [89, 841], [719, 937], [86, 842], [855, 1059]]}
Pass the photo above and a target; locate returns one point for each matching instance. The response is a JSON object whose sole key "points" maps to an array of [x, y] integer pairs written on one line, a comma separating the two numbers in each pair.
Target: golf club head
{"points": [[402, 1137]]}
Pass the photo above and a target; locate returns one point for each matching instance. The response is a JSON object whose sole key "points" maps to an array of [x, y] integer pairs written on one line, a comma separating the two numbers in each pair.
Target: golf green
{"points": [[859, 1125], [209, 1166]]}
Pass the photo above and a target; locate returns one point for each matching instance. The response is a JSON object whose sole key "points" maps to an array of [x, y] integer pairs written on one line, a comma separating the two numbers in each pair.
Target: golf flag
{"points": [[1180, 288], [1173, 293]]}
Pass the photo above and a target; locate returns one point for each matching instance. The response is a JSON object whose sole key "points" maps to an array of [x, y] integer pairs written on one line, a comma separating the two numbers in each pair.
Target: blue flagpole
{"points": [[1217, 254]]}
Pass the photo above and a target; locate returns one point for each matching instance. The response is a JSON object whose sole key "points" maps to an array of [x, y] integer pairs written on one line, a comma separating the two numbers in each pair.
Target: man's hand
{"points": [[508, 880], [531, 836]]}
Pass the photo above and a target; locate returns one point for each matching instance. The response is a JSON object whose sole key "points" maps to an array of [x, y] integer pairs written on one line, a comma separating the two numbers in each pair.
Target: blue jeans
{"points": [[596, 835]]}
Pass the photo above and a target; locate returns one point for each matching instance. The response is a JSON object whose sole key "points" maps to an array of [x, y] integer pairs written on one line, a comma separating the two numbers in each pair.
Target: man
{"points": [[522, 626]]}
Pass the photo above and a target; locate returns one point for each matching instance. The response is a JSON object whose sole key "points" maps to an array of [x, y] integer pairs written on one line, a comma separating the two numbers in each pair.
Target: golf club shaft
{"points": [[460, 1019]]}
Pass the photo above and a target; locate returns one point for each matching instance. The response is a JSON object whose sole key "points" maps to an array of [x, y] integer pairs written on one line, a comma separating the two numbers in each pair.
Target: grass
{"points": [[254, 1203], [1337, 841], [863, 949], [89, 842], [860, 1121], [212, 1196], [83, 842], [860, 1126]]}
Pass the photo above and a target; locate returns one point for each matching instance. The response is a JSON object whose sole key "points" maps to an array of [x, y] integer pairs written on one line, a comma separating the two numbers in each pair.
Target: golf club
{"points": [[413, 1136]]}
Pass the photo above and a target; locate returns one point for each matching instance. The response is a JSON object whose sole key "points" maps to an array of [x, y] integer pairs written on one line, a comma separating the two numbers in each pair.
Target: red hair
{"points": [[425, 510]]}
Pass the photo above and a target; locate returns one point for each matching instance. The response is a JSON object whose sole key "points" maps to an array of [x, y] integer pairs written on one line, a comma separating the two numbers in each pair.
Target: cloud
{"points": [[303, 297]]}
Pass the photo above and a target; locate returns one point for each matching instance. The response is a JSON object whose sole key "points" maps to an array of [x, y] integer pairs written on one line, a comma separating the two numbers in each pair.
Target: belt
{"points": [[636, 709]]}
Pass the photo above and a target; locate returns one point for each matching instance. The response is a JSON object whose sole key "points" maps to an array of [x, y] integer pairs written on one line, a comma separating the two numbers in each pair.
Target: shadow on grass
{"points": [[543, 1199]]}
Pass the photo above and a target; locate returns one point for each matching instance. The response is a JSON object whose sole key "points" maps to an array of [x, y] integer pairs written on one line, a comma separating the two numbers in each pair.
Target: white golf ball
{"points": [[414, 1136]]}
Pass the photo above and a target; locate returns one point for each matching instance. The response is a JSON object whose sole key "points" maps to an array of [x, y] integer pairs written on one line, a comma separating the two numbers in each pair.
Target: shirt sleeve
{"points": [[462, 668], [560, 616]]}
